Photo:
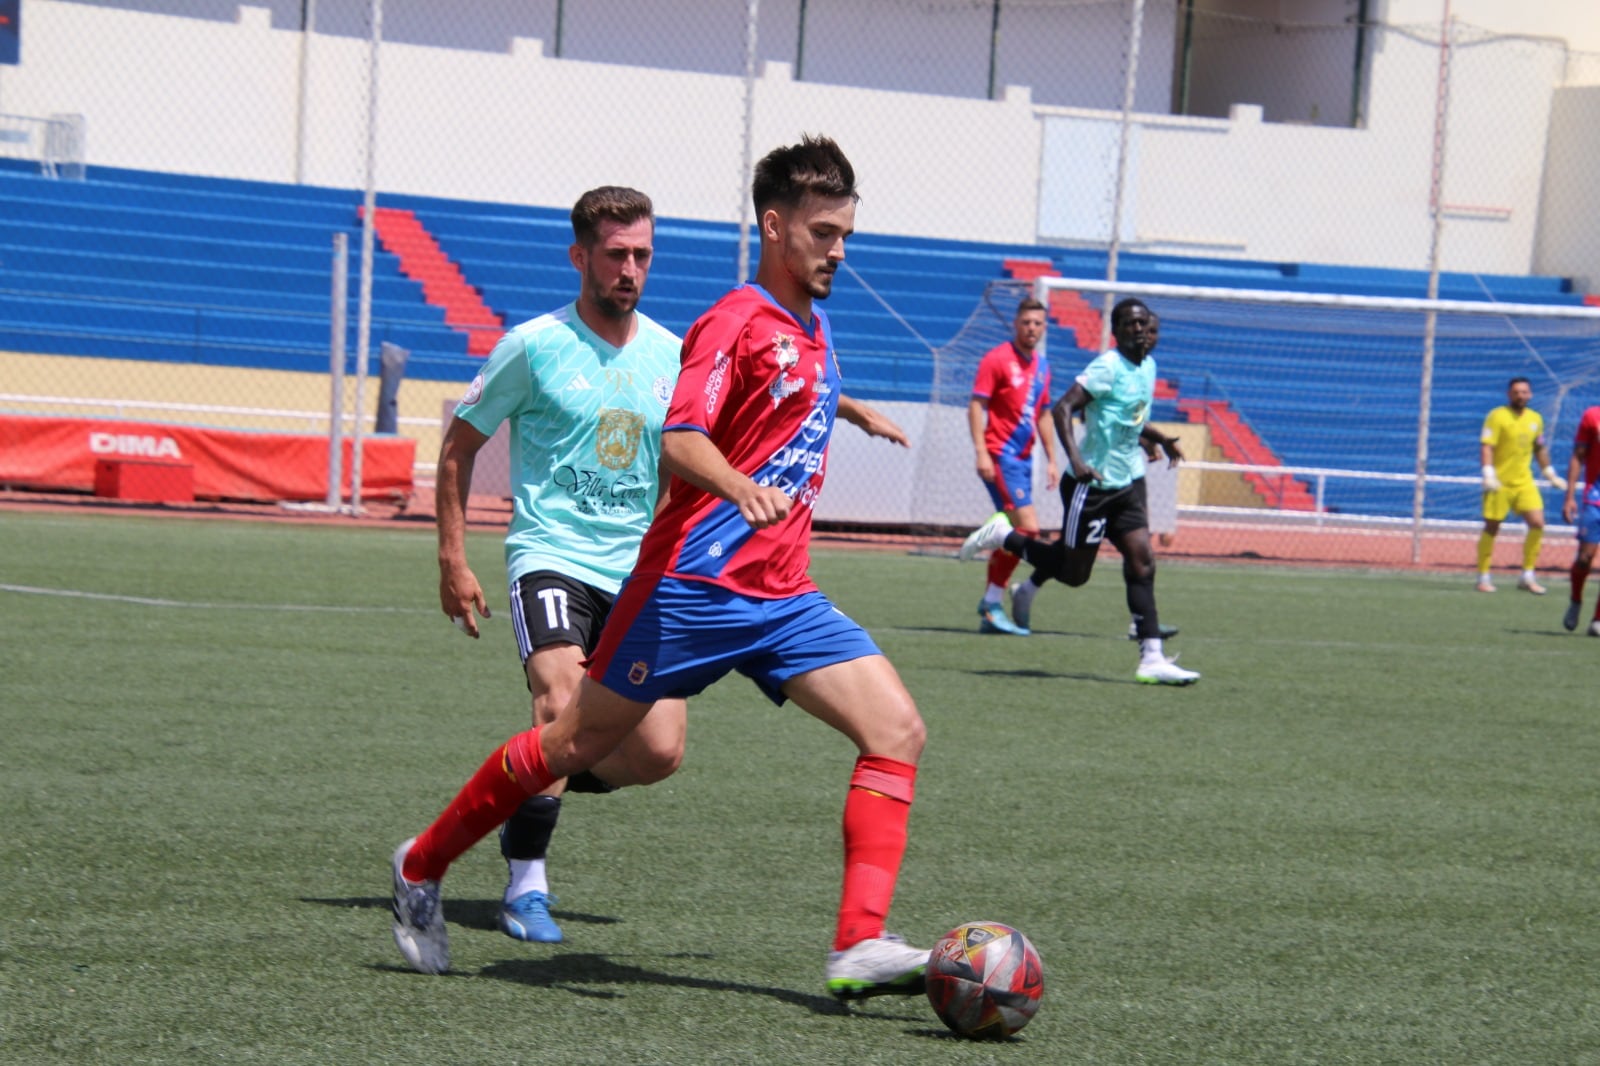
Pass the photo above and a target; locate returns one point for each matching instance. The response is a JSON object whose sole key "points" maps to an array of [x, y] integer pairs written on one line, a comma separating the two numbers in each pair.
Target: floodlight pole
{"points": [[1129, 84], [368, 206], [339, 312], [752, 10], [308, 25], [1430, 322]]}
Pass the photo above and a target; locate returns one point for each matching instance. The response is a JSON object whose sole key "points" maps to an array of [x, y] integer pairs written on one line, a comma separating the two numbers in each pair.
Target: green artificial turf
{"points": [[1370, 834]]}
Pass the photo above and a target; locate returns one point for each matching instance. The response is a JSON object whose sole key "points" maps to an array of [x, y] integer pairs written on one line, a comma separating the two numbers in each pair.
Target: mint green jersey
{"points": [[585, 441], [1122, 393]]}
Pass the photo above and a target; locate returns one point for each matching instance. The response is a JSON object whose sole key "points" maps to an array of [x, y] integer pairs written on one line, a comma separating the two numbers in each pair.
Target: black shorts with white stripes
{"points": [[550, 608]]}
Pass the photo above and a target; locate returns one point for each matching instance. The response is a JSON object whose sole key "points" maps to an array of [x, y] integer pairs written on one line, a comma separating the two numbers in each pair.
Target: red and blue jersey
{"points": [[1588, 435], [764, 388], [1018, 391]]}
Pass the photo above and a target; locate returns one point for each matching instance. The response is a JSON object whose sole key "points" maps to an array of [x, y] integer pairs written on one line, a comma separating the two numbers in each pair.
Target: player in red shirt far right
{"points": [[721, 584], [1584, 512]]}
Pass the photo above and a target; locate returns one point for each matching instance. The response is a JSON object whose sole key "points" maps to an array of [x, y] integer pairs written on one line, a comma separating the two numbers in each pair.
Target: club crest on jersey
{"points": [[662, 388], [788, 356], [638, 672], [820, 386], [474, 391], [616, 442]]}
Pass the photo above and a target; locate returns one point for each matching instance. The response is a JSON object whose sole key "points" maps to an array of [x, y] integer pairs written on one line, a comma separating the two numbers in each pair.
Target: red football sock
{"points": [[489, 797], [1579, 574], [1001, 564], [875, 814]]}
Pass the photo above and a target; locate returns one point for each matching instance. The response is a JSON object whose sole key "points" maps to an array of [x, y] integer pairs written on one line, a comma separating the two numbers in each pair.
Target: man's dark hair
{"points": [[816, 166], [1029, 304], [1519, 381], [1125, 308], [608, 203]]}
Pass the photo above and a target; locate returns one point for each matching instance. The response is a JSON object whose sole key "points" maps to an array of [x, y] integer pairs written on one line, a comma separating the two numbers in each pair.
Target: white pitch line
{"points": [[147, 601]]}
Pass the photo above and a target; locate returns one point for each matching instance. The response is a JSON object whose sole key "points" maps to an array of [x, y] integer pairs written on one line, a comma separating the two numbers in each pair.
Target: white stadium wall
{"points": [[1569, 238], [1012, 169]]}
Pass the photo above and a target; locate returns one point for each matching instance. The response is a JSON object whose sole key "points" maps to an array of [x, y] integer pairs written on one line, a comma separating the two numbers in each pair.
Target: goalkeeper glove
{"points": [[1491, 483], [1554, 479]]}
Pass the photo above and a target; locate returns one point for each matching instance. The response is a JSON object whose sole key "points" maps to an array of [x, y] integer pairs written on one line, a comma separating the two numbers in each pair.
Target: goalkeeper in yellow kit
{"points": [[1512, 437]]}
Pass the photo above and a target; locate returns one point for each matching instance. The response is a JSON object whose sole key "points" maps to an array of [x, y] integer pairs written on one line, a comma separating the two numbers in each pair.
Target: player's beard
{"points": [[617, 303], [821, 284]]}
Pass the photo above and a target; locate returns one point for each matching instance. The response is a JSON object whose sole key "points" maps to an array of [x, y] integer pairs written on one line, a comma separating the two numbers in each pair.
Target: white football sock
{"points": [[527, 875]]}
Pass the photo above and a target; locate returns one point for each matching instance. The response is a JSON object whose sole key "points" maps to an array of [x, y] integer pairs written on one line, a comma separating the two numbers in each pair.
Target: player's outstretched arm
{"points": [[1072, 401], [1152, 439], [977, 422], [1491, 480], [871, 421], [690, 455], [1047, 445], [1569, 503], [1542, 454], [459, 591]]}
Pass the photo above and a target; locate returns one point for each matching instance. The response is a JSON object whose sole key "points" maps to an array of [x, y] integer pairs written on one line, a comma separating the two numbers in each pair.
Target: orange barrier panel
{"points": [[61, 453]]}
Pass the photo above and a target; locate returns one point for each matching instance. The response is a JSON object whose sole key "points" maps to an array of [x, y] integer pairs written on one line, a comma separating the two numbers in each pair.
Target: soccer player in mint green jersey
{"points": [[1104, 499], [585, 389]]}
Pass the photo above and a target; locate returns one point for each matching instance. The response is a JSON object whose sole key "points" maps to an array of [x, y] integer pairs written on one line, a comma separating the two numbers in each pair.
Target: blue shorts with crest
{"points": [[1012, 486], [670, 638]]}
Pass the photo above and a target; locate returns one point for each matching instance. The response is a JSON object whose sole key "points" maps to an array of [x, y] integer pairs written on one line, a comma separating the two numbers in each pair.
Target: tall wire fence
{"points": [[1155, 140]]}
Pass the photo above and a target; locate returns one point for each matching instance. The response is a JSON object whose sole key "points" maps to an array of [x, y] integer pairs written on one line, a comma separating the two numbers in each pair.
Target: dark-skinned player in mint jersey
{"points": [[1103, 499], [722, 584]]}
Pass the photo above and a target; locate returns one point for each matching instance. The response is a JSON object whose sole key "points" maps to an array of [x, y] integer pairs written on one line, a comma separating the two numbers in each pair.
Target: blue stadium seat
{"points": [[146, 265]]}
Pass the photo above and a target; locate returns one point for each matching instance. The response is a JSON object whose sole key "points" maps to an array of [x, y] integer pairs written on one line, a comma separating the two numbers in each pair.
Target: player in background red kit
{"points": [[1010, 398], [1582, 508], [721, 584]]}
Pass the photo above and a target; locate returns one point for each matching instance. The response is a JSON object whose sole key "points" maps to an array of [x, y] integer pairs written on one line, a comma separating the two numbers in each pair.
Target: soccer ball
{"points": [[984, 980]]}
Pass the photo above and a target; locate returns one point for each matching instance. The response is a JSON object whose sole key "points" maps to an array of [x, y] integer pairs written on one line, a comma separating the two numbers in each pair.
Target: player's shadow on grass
{"points": [[1048, 675], [956, 630], [946, 1034], [471, 913], [964, 630], [1561, 633], [485, 914], [570, 973], [588, 976]]}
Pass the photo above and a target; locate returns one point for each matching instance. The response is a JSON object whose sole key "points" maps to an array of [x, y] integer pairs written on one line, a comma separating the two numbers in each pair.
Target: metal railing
{"points": [[316, 420], [55, 143], [1319, 476]]}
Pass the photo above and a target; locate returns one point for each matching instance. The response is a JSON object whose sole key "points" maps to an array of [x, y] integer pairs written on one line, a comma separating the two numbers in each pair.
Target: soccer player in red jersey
{"points": [[721, 584], [1583, 510], [1010, 396]]}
